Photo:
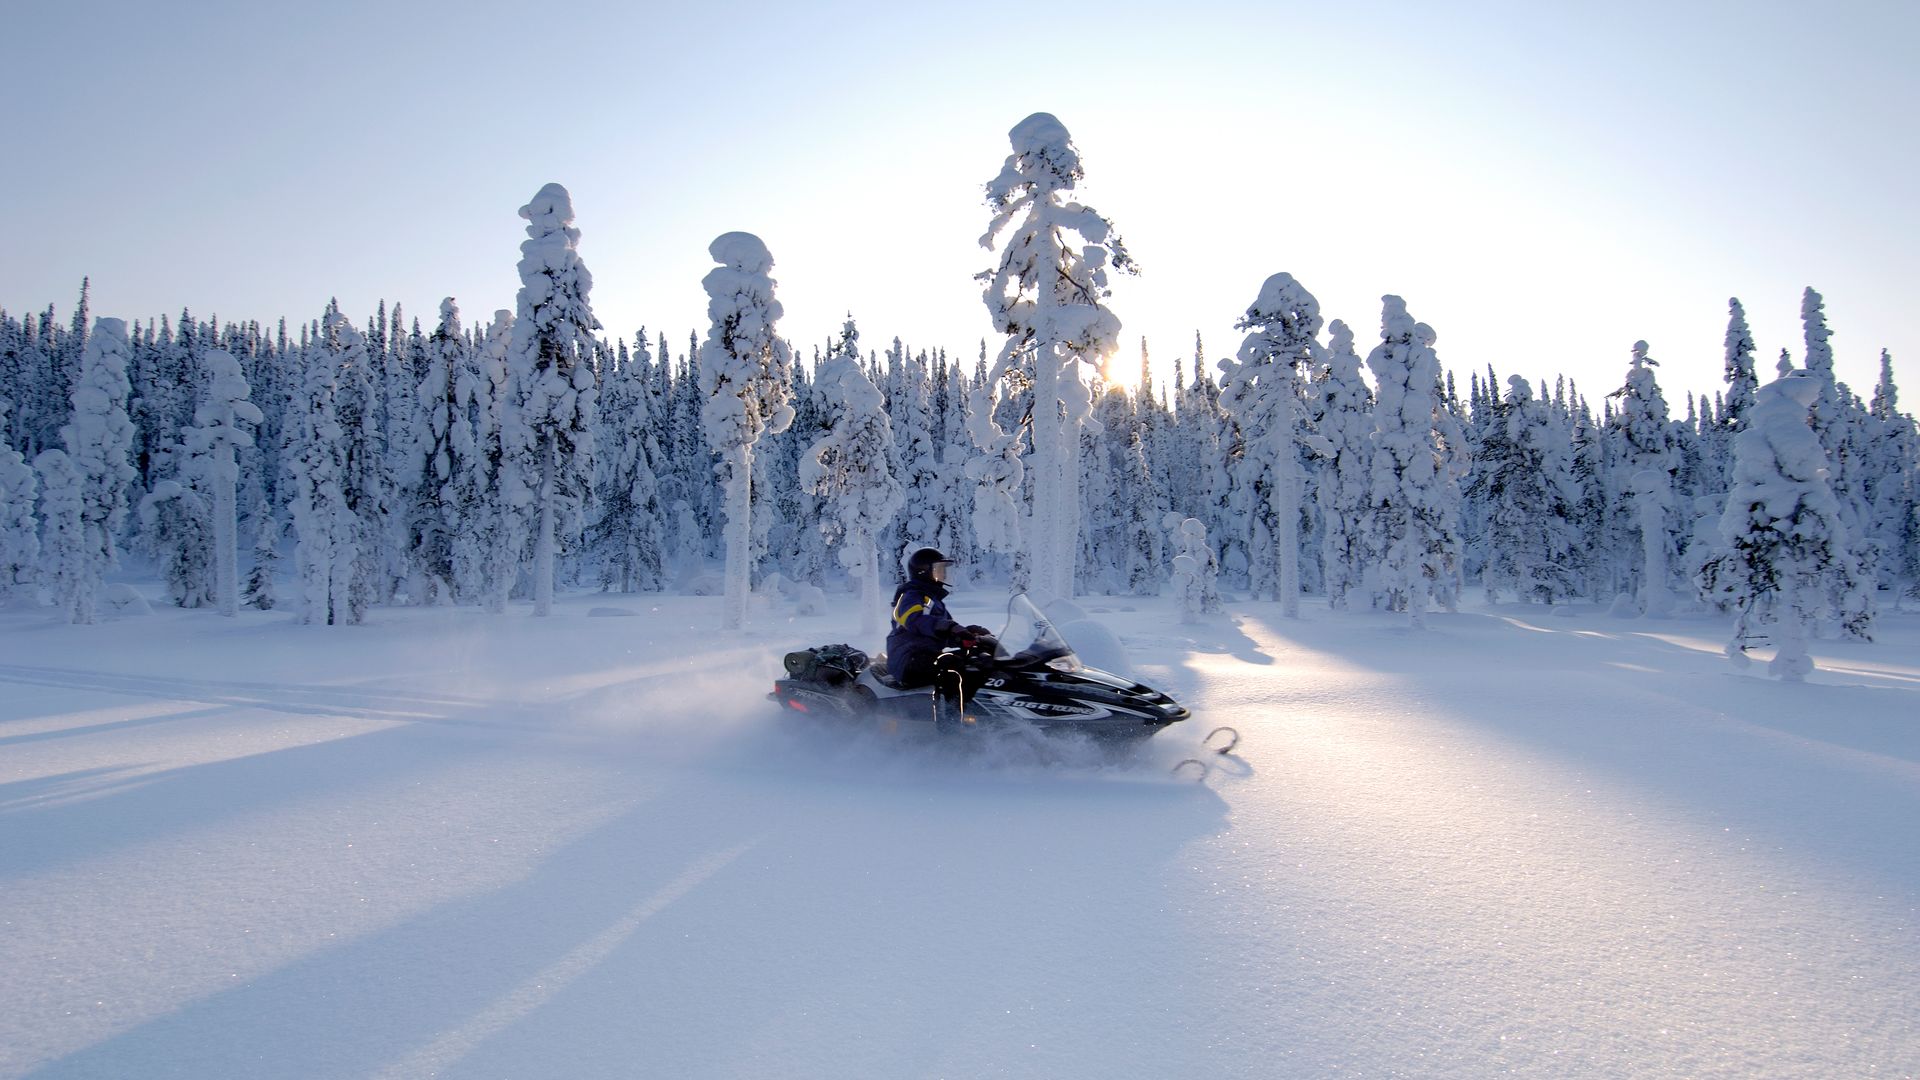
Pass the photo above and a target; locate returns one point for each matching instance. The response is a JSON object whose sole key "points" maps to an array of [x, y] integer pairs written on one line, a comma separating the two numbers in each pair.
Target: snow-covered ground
{"points": [[447, 844]]}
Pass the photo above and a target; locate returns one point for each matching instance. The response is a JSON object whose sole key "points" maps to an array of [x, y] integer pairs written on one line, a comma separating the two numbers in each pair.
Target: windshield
{"points": [[1029, 637]]}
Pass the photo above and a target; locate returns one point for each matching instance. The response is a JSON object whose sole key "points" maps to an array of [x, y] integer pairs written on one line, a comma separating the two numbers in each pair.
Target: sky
{"points": [[1544, 184]]}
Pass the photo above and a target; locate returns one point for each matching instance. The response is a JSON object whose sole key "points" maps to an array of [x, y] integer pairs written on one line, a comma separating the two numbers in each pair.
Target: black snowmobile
{"points": [[1027, 677]]}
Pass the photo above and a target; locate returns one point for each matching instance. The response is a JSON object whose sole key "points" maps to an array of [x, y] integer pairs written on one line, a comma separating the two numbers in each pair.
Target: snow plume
{"points": [[745, 374], [1782, 535], [1047, 295], [1410, 525], [1263, 389], [854, 469], [551, 354]]}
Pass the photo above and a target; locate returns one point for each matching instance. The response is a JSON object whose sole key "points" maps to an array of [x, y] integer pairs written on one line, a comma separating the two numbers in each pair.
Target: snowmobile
{"points": [[1028, 677]]}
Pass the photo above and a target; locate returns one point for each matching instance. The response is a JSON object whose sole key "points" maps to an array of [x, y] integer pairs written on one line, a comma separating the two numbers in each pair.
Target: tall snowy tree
{"points": [[1342, 415], [1784, 541], [1530, 538], [628, 531], [19, 528], [1741, 382], [1413, 498], [744, 375], [1838, 420], [326, 552], [65, 558], [99, 439], [854, 469], [440, 471], [552, 343], [1048, 296], [1263, 388], [221, 429]]}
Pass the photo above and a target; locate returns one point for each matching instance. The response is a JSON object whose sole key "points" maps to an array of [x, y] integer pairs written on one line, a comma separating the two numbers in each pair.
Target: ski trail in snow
{"points": [[442, 1052]]}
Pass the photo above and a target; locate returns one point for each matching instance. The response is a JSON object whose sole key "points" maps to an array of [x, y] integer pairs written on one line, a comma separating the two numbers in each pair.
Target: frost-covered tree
{"points": [[177, 523], [1342, 415], [99, 439], [1530, 537], [1413, 498], [326, 552], [1048, 296], [1838, 421], [1196, 571], [744, 375], [627, 534], [1642, 470], [505, 448], [221, 429], [259, 590], [440, 473], [1782, 535], [1741, 382], [65, 559], [552, 343], [1263, 389], [854, 469], [19, 529]]}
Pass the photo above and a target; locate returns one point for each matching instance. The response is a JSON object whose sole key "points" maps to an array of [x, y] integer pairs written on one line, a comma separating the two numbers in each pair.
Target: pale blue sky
{"points": [[1544, 184]]}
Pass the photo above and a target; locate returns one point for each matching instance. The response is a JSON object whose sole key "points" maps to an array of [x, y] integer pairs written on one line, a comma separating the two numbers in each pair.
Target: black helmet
{"points": [[920, 563]]}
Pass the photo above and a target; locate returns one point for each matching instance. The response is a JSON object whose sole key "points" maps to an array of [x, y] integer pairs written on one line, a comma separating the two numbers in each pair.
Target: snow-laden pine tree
{"points": [[1641, 468], [1784, 542], [1837, 417], [1529, 537], [1741, 381], [1343, 416], [1048, 296], [326, 551], [627, 533], [854, 470], [1413, 498], [1264, 390], [19, 528], [1893, 471], [440, 471], [64, 558], [1196, 571], [176, 524], [222, 424], [551, 350], [505, 449], [98, 437], [744, 375]]}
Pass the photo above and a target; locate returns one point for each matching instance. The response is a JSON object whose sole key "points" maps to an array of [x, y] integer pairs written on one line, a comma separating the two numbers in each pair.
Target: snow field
{"points": [[459, 845]]}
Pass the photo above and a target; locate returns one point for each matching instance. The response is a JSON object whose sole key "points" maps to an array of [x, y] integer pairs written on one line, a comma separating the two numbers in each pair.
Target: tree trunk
{"points": [[739, 533], [543, 546]]}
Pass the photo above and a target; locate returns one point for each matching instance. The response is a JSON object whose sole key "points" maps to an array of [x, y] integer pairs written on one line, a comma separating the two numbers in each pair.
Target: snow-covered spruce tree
{"points": [[1529, 537], [220, 430], [1196, 571], [1413, 499], [64, 558], [1741, 381], [854, 469], [552, 342], [1048, 296], [1264, 390], [1784, 541], [505, 449], [1893, 472], [19, 529], [744, 375], [1837, 419], [326, 550], [1642, 470], [439, 473], [176, 523], [258, 593], [98, 438], [627, 531], [1342, 415]]}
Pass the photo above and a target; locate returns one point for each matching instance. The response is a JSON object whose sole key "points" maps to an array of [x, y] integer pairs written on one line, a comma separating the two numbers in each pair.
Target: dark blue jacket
{"points": [[921, 628]]}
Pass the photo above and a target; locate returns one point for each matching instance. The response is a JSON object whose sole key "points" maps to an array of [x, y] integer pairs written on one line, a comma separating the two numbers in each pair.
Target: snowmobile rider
{"points": [[922, 629]]}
